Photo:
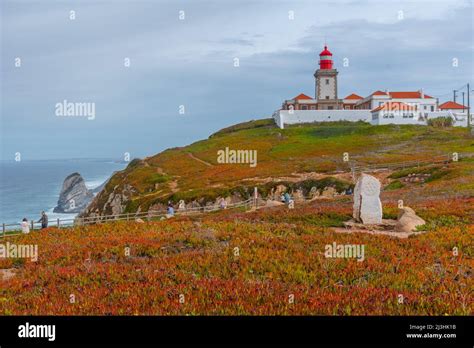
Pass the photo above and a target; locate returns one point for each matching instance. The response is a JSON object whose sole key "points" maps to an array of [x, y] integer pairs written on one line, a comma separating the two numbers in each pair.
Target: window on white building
{"points": [[327, 81]]}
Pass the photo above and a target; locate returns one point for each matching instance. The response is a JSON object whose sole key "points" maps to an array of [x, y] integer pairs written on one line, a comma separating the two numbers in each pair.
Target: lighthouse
{"points": [[326, 82]]}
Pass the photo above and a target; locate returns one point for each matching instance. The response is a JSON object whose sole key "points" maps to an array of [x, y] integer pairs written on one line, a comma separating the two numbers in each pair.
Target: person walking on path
{"points": [[44, 220]]}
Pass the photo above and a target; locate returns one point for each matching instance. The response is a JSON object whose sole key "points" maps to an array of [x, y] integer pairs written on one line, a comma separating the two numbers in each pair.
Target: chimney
{"points": [[422, 93]]}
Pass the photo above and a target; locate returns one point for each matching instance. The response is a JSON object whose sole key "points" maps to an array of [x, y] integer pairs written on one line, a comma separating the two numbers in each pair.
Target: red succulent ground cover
{"points": [[269, 262]]}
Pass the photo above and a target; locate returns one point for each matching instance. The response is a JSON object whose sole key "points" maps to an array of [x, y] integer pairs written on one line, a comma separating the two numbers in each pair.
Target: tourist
{"points": [[223, 203], [44, 220], [287, 198], [170, 210], [25, 226]]}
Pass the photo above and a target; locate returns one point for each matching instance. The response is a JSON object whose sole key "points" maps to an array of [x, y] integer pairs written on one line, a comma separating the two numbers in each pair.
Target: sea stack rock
{"points": [[74, 196], [367, 204]]}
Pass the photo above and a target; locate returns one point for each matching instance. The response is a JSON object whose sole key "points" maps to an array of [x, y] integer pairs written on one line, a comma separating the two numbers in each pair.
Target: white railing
{"points": [[14, 229]]}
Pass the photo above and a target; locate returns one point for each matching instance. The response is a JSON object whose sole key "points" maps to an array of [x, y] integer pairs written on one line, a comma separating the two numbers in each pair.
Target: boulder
{"points": [[367, 204], [74, 196], [405, 210], [314, 192], [279, 190], [329, 192], [408, 221], [298, 195]]}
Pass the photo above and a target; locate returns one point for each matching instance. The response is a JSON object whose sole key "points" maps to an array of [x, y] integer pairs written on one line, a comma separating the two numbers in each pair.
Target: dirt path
{"points": [[199, 160], [401, 235]]}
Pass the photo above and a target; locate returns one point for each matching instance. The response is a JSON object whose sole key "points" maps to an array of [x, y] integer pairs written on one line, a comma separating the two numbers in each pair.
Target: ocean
{"points": [[28, 187]]}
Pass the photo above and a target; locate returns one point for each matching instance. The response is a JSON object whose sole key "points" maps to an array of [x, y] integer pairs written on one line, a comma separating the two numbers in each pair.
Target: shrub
{"points": [[441, 122], [394, 185]]}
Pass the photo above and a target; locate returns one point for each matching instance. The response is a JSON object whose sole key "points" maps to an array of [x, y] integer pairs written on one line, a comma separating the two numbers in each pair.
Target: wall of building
{"points": [[327, 90], [460, 120], [283, 117], [387, 117]]}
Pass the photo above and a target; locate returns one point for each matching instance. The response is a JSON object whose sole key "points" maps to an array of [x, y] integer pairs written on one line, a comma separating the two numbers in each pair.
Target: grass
{"points": [[394, 185], [282, 152]]}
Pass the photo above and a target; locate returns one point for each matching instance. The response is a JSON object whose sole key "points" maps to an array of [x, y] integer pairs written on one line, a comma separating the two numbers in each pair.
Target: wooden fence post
{"points": [[255, 195]]}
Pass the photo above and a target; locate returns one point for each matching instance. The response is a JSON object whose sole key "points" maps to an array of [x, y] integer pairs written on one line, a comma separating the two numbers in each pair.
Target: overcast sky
{"points": [[394, 45]]}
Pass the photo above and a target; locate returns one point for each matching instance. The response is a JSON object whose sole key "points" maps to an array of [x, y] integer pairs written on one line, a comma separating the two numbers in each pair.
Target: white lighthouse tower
{"points": [[326, 83]]}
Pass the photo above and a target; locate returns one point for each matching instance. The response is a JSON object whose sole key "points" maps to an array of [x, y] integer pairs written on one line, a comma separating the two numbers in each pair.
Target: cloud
{"points": [[190, 62]]}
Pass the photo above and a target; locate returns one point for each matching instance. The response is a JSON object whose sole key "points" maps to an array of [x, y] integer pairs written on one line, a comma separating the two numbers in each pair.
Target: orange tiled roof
{"points": [[407, 95], [403, 95], [302, 96], [451, 105], [353, 96], [394, 106]]}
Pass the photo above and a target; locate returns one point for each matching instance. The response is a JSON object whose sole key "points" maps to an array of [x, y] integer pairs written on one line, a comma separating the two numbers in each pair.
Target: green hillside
{"points": [[271, 260], [296, 154]]}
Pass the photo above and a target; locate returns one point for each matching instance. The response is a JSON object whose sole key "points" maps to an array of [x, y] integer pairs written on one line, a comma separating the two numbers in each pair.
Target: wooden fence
{"points": [[15, 228]]}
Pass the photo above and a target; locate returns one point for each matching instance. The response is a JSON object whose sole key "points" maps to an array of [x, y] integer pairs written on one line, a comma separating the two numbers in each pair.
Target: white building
{"points": [[418, 99], [453, 107], [396, 113], [380, 107]]}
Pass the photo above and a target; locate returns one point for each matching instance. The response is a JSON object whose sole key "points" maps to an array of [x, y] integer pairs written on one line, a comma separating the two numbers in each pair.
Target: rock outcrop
{"points": [[74, 196], [408, 221], [117, 195]]}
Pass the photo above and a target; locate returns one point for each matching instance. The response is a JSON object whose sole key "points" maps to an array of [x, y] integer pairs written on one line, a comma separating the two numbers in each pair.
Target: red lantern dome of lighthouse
{"points": [[325, 59]]}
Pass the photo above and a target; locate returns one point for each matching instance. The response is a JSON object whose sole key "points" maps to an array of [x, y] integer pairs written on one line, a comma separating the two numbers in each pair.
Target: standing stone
{"points": [[367, 204], [182, 205]]}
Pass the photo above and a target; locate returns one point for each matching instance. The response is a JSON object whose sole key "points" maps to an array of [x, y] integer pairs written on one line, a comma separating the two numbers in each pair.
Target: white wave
{"points": [[92, 184]]}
